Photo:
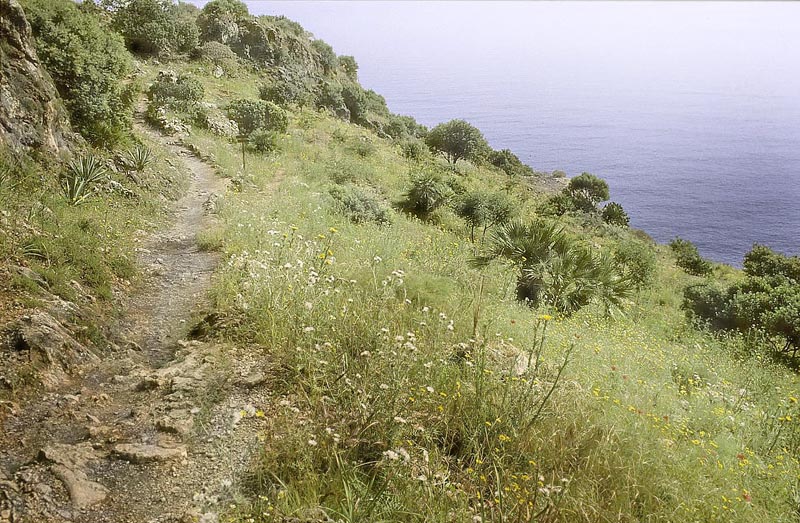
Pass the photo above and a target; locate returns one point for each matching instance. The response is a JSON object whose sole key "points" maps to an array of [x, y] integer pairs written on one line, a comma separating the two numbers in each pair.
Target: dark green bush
{"points": [[180, 91], [219, 55], [156, 27], [355, 99], [586, 191], [250, 115], [88, 64], [400, 126], [360, 206], [217, 20], [509, 163], [414, 149], [327, 58], [687, 257], [636, 261], [263, 141], [329, 96], [614, 214], [557, 205], [283, 92], [428, 191], [349, 66]]}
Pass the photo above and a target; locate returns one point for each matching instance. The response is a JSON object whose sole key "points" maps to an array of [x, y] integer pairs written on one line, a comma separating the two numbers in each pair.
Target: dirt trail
{"points": [[152, 432]]}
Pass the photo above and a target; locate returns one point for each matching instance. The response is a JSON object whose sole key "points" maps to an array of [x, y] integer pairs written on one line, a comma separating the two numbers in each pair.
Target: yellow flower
{"points": [[545, 317]]}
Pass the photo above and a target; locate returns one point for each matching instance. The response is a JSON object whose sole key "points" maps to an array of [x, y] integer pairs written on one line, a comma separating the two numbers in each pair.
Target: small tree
{"points": [[250, 115], [614, 214], [587, 190], [636, 261], [457, 140], [509, 163], [484, 210]]}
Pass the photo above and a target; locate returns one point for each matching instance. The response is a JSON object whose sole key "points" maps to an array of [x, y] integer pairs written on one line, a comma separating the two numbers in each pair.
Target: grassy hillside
{"points": [[407, 382], [400, 381]]}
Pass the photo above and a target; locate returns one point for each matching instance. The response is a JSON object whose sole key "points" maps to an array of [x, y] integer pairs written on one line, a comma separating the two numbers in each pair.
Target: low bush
{"points": [[263, 141], [687, 257], [636, 261], [250, 115], [360, 206], [427, 192], [179, 91], [80, 175], [614, 214], [219, 55]]}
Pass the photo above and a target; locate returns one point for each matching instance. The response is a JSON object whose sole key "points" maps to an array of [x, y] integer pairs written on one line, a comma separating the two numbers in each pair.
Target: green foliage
{"points": [[362, 147], [283, 92], [360, 206], [557, 205], [79, 176], [509, 163], [138, 158], [263, 141], [457, 140], [219, 55], [768, 300], [217, 18], [484, 210], [636, 261], [400, 126], [180, 91], [614, 214], [414, 149], [88, 64], [687, 257], [428, 191], [155, 28], [355, 99], [329, 96], [250, 115], [557, 270], [349, 66], [327, 57], [586, 191]]}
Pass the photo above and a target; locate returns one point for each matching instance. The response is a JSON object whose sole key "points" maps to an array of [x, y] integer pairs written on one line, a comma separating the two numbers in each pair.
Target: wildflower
{"points": [[333, 230], [312, 443], [545, 317], [308, 329]]}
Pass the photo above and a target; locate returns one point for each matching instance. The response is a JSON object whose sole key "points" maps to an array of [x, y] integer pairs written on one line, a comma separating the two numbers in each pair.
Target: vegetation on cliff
{"points": [[447, 338]]}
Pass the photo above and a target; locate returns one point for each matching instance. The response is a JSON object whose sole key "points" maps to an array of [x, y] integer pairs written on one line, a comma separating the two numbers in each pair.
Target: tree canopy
{"points": [[457, 140]]}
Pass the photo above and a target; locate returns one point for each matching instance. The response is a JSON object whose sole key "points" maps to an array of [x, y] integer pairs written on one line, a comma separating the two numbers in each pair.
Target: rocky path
{"points": [[153, 431]]}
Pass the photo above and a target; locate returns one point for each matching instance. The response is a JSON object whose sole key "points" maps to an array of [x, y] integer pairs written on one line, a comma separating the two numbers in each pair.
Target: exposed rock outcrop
{"points": [[31, 114]]}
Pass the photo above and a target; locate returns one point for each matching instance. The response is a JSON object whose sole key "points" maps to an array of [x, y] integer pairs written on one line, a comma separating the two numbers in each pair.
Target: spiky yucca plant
{"points": [[138, 158], [80, 174], [555, 269]]}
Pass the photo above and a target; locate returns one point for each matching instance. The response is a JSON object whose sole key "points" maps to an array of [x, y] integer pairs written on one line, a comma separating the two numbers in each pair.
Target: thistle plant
{"points": [[79, 176]]}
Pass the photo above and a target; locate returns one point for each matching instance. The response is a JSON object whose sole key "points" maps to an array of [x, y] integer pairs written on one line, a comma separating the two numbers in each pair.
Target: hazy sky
{"points": [[744, 47]]}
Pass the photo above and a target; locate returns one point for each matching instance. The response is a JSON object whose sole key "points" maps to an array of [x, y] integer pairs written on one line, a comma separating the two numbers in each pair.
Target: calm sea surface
{"points": [[691, 111]]}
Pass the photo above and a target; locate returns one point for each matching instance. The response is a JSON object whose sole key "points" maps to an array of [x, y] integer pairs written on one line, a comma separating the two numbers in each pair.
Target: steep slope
{"points": [[31, 115]]}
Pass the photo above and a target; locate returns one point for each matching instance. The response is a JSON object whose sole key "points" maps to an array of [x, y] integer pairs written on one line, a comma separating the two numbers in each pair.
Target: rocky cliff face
{"points": [[31, 114]]}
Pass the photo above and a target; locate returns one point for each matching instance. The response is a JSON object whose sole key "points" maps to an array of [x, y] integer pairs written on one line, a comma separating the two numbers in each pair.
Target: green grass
{"points": [[394, 394]]}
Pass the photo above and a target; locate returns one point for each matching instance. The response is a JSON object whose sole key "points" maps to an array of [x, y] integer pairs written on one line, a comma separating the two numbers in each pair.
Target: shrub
{"points": [[218, 17], [355, 99], [428, 192], [586, 191], [614, 214], [636, 261], [557, 205], [556, 270], [219, 55], [138, 158], [180, 91], [79, 176], [360, 206], [362, 147], [484, 210], [687, 257], [327, 58], [509, 163], [250, 115], [457, 140], [413, 149], [349, 66], [263, 140], [400, 126], [155, 27], [329, 96], [283, 92], [88, 64]]}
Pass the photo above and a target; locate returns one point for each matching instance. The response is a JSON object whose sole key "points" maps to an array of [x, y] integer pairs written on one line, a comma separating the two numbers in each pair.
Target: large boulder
{"points": [[31, 114]]}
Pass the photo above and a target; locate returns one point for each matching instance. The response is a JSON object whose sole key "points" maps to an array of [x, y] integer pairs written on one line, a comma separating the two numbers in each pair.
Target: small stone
{"points": [[148, 453], [254, 379]]}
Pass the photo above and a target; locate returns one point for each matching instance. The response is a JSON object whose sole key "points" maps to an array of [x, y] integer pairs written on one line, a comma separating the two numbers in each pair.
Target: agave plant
{"points": [[555, 269], [79, 176], [138, 158]]}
